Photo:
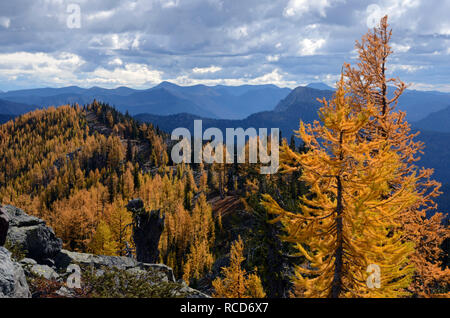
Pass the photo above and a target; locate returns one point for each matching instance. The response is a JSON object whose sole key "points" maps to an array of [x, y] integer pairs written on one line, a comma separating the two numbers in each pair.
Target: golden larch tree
{"points": [[368, 82], [236, 282], [347, 220]]}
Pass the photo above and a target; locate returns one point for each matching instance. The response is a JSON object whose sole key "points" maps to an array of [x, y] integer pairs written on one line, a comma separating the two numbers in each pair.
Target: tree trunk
{"points": [[336, 285], [147, 230]]}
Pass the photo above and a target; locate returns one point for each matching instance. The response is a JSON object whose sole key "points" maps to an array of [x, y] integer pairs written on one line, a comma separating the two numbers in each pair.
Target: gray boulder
{"points": [[65, 258], [31, 234], [27, 262], [163, 271], [44, 271], [65, 292], [189, 292], [13, 283]]}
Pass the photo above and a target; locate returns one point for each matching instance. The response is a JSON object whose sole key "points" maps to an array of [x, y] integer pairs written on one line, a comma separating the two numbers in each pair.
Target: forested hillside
{"points": [[72, 166], [77, 167]]}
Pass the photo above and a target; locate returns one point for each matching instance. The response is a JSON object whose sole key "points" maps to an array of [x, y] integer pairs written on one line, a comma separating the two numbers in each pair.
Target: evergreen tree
{"points": [[368, 83], [236, 283], [347, 223]]}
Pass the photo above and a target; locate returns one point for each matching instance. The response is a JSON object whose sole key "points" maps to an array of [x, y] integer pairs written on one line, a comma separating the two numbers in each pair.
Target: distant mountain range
{"points": [[5, 118], [419, 104], [321, 86], [12, 108], [231, 102], [301, 103], [216, 102], [437, 121]]}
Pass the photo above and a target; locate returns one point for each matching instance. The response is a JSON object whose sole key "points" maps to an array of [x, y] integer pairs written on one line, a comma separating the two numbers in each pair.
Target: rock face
{"points": [[46, 258], [44, 271], [65, 258], [4, 224], [32, 234], [147, 230], [13, 283]]}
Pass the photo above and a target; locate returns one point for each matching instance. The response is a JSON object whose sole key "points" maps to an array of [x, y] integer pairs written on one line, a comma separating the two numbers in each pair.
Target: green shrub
{"points": [[18, 251], [116, 283]]}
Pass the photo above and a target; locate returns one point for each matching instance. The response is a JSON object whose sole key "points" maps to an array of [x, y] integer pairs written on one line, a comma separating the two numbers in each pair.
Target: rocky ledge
{"points": [[44, 258]]}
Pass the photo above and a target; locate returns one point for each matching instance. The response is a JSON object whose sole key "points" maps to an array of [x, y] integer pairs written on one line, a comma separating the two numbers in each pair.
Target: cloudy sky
{"points": [[139, 43]]}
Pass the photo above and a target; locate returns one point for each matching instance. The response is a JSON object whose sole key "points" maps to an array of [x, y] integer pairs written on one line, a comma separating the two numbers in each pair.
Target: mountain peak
{"points": [[321, 86], [166, 84], [301, 97]]}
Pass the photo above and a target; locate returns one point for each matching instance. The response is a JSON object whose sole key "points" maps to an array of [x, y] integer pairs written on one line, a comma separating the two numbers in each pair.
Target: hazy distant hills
{"points": [[419, 104], [437, 121], [12, 108], [220, 101], [301, 103], [232, 102], [4, 118], [436, 153], [303, 100], [228, 102], [321, 86]]}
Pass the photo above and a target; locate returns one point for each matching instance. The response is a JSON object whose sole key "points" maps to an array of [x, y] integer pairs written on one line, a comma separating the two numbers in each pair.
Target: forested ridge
{"points": [[77, 167], [349, 197]]}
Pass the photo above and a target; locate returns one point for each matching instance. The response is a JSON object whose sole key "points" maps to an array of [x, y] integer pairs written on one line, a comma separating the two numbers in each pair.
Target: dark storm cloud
{"points": [[140, 43]]}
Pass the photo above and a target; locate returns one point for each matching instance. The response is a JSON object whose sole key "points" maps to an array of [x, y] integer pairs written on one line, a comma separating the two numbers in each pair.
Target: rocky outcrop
{"points": [[46, 259], [13, 283], [147, 229], [44, 271], [65, 258], [32, 235], [4, 224]]}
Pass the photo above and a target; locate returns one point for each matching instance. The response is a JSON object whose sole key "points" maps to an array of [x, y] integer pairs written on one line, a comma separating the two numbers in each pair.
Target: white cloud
{"points": [[39, 65], [132, 74], [116, 61], [406, 68], [64, 69], [429, 87], [101, 15], [275, 77], [445, 29], [115, 41], [169, 3], [5, 22], [273, 58], [395, 9], [203, 70], [399, 48], [239, 32], [310, 46], [297, 8]]}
